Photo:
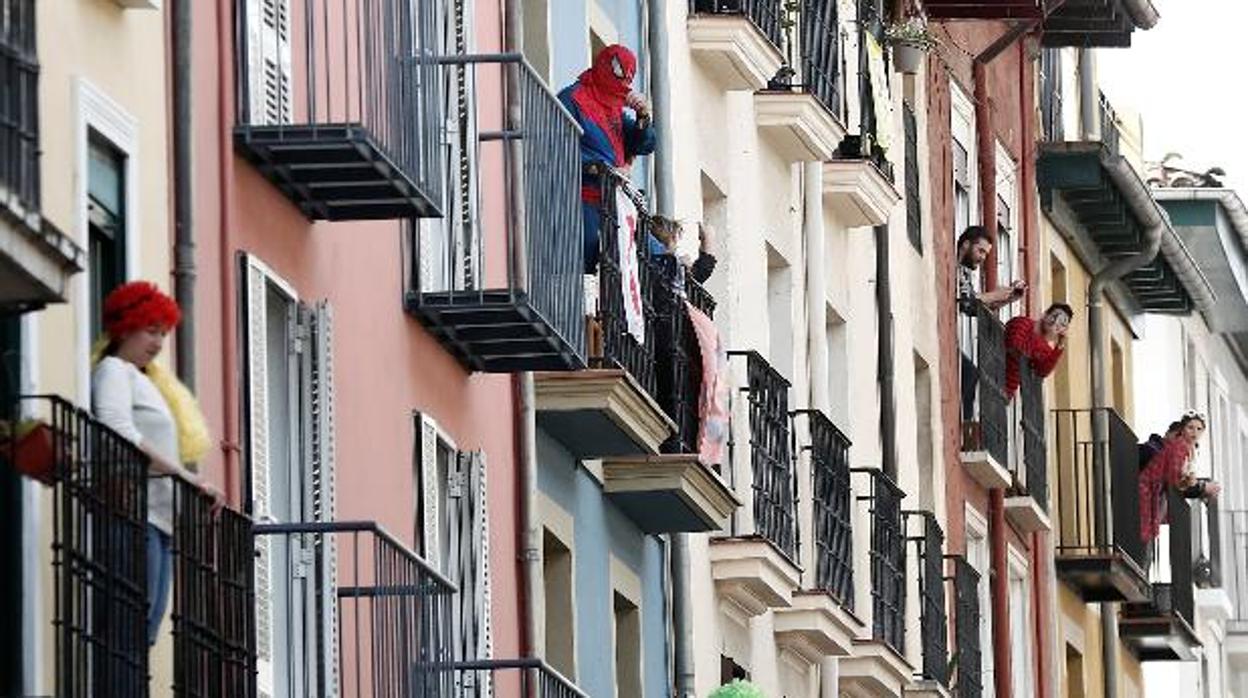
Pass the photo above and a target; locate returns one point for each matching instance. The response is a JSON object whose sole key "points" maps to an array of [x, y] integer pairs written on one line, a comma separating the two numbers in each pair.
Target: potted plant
{"points": [[737, 689], [910, 40]]}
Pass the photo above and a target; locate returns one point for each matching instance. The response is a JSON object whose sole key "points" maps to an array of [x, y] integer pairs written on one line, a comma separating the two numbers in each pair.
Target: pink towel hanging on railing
{"points": [[713, 397]]}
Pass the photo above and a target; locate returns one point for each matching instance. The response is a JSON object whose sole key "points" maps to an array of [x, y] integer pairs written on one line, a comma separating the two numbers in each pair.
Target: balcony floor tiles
{"points": [[599, 413], [874, 670], [1026, 514], [798, 125], [816, 626], [669, 493], [985, 469], [753, 574], [858, 192]]}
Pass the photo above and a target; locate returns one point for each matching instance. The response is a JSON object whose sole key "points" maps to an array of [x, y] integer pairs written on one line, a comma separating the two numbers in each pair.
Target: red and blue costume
{"points": [[609, 134]]}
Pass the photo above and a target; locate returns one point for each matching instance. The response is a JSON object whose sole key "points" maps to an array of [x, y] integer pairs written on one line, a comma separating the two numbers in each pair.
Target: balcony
{"points": [[738, 42], [929, 541], [36, 259], [984, 9], [344, 607], [1161, 629], [531, 678], [1234, 579], [756, 565], [507, 295], [1091, 24], [1098, 492], [985, 414], [1027, 501], [859, 192], [340, 105], [877, 666], [968, 679]]}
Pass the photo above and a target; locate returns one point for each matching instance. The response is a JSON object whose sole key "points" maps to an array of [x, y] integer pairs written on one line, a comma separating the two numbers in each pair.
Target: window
{"points": [[1060, 294], [1074, 673], [965, 186], [838, 367], [923, 434], [1020, 624], [1008, 268], [1051, 94], [914, 202], [780, 311], [290, 459], [536, 36], [1118, 376], [557, 584], [977, 554], [627, 646], [962, 212], [730, 671], [106, 223]]}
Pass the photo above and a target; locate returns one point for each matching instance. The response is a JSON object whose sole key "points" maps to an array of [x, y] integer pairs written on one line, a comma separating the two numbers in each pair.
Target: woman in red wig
{"points": [[144, 404]]}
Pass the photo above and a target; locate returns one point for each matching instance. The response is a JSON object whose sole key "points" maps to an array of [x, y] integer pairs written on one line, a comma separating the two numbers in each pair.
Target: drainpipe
{"points": [[530, 544], [1142, 13], [183, 235], [231, 398], [986, 142], [1155, 224], [884, 347], [1089, 96], [816, 286]]}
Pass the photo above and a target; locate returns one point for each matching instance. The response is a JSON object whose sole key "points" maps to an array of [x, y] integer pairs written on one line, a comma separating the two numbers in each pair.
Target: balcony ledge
{"points": [[600, 413], [858, 192], [753, 574], [669, 494], [874, 670], [816, 626], [36, 259], [986, 470], [734, 51], [1026, 514], [926, 688], [798, 124], [1215, 604], [1104, 576]]}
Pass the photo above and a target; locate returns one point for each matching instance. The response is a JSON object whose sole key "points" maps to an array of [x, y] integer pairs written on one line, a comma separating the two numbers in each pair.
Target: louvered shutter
{"points": [[468, 563], [318, 410], [269, 62], [431, 506], [255, 287]]}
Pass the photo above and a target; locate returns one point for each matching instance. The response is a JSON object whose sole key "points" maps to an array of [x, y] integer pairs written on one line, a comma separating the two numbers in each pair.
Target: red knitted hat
{"points": [[136, 305]]}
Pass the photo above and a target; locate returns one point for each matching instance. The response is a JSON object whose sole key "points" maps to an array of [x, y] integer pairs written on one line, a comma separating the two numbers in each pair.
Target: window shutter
{"points": [[254, 289], [269, 62], [320, 460], [430, 505], [468, 566]]}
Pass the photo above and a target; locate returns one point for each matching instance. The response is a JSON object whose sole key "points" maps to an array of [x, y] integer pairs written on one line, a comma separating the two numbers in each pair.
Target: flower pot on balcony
{"points": [[31, 451], [908, 56]]}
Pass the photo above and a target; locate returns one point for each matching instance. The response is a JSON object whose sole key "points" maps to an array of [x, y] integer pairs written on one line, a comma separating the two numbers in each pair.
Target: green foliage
{"points": [[737, 689]]}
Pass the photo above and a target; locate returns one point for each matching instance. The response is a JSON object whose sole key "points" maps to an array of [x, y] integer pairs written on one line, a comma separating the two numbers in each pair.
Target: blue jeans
{"points": [[159, 578]]}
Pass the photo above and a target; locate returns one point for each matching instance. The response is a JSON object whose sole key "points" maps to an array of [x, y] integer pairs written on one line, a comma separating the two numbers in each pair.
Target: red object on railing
{"points": [[34, 454]]}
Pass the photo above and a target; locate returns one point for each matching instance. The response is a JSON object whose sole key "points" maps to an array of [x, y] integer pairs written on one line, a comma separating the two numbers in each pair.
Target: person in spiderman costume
{"points": [[616, 127]]}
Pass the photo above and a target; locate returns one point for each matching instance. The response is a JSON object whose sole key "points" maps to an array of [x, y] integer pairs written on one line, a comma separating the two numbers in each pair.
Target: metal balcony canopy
{"points": [[1075, 184], [1088, 24], [985, 9]]}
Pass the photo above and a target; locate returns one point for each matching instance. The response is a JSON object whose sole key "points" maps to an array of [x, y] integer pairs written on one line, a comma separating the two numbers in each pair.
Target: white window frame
{"points": [[962, 130], [1007, 255], [96, 112], [627, 584], [429, 487], [979, 555], [1021, 640]]}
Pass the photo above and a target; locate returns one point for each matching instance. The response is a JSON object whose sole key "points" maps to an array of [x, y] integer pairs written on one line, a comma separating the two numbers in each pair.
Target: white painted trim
{"points": [[33, 620], [272, 277], [962, 129], [96, 111], [976, 525]]}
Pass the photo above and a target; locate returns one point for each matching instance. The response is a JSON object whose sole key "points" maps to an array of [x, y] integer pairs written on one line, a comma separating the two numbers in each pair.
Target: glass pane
{"points": [[106, 178]]}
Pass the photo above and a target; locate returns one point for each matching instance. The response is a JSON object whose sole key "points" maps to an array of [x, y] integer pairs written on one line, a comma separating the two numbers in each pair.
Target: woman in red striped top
{"points": [[1041, 342]]}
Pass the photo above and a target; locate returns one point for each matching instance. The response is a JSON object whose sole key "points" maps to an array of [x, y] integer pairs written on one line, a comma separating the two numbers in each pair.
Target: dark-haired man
{"points": [[974, 244], [1041, 342]]}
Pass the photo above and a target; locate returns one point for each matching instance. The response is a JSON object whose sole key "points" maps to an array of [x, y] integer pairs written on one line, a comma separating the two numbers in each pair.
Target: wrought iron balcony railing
{"points": [[1033, 478], [1234, 575], [822, 69], [531, 678], [1111, 136], [929, 542], [888, 559], [773, 477], [340, 104], [967, 657], [679, 360], [985, 417], [213, 600], [833, 511], [1207, 525], [344, 608], [767, 15], [506, 295]]}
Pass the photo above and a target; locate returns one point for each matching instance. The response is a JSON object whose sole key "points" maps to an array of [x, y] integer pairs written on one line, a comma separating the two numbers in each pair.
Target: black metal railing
{"points": [[774, 479], [213, 603], [99, 544], [349, 610], [821, 54], [367, 68], [19, 110], [1234, 525], [530, 678], [1051, 126], [539, 258], [833, 511], [1207, 524], [985, 414], [1172, 562], [619, 347], [1111, 136], [929, 543], [888, 559], [1033, 479], [1083, 463], [767, 15], [678, 361], [967, 658]]}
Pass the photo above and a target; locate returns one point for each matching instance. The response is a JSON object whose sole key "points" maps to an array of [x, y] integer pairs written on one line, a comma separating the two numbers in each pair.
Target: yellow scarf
{"points": [[194, 439]]}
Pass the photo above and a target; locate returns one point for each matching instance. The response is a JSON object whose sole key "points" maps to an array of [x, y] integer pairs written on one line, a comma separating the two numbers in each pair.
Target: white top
{"points": [[125, 400]]}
